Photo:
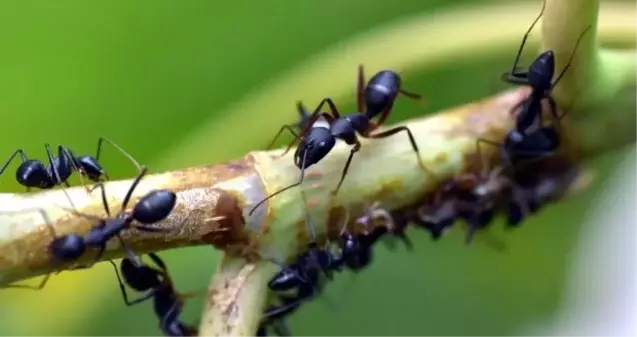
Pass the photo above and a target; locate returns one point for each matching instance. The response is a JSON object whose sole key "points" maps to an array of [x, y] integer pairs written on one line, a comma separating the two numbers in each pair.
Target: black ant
{"points": [[153, 207], [157, 284], [374, 99], [33, 173], [303, 276], [530, 139]]}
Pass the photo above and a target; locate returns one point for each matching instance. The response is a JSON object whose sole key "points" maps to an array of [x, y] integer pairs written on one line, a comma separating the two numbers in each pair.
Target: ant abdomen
{"points": [[314, 147], [32, 173], [381, 90], [155, 206], [541, 71], [68, 247]]}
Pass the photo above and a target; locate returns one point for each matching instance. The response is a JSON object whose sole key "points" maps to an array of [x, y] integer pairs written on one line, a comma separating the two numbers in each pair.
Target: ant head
{"points": [[541, 71], [314, 147], [68, 247], [91, 167], [139, 277], [154, 206]]}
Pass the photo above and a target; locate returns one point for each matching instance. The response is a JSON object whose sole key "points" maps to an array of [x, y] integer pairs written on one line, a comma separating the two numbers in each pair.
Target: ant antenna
{"points": [[104, 139], [526, 36], [74, 211], [142, 173], [568, 65], [308, 218], [344, 228], [285, 188]]}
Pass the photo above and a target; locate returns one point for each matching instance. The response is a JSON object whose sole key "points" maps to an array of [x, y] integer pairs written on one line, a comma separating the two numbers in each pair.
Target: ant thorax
{"points": [[321, 122]]}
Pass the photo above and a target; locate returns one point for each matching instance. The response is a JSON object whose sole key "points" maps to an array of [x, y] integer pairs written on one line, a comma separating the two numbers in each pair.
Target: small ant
{"points": [[303, 276], [530, 139], [374, 99], [32, 173], [157, 284], [151, 208]]}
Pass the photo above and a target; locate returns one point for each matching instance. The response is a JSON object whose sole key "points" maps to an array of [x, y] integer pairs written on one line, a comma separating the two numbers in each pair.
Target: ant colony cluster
{"points": [[155, 206], [529, 175], [521, 184]]}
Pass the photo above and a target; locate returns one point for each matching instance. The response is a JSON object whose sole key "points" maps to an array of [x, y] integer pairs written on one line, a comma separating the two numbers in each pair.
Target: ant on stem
{"points": [[33, 173], [374, 99], [157, 284], [531, 139], [151, 208]]}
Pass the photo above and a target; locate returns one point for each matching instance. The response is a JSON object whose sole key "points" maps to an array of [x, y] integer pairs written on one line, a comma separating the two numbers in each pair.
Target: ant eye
{"points": [[321, 144]]}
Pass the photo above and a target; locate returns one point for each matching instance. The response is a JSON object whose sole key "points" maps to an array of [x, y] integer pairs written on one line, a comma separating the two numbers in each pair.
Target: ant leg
{"points": [[139, 177], [397, 129], [382, 118], [570, 60], [312, 119], [65, 152], [23, 157], [118, 148], [283, 310], [278, 134], [99, 255], [129, 251], [285, 188], [304, 118], [125, 294], [54, 169], [357, 146], [360, 90], [521, 78], [331, 105], [150, 229], [158, 261], [411, 95], [484, 164]]}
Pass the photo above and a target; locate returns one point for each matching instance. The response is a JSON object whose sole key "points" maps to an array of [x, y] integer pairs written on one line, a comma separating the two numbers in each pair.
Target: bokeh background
{"points": [[150, 74]]}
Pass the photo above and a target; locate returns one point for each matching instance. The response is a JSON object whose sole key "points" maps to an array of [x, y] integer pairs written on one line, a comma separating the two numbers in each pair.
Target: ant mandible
{"points": [[374, 99], [33, 173], [530, 139], [157, 284]]}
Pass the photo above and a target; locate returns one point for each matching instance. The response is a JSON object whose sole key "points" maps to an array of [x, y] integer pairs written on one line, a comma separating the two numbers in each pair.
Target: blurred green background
{"points": [[148, 73]]}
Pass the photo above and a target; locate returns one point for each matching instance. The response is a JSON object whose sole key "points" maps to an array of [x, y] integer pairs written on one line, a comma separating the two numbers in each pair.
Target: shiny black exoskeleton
{"points": [[90, 167], [316, 143], [153, 207], [374, 99], [33, 173], [155, 283], [531, 139]]}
